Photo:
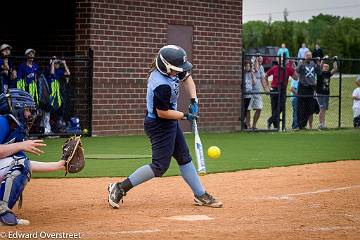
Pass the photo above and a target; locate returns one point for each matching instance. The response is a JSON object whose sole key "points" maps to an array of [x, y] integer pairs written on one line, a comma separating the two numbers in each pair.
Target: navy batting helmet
{"points": [[171, 57], [14, 103]]}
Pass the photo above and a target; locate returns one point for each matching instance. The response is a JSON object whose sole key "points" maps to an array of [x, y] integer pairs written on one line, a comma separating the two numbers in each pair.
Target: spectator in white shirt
{"points": [[356, 103], [302, 51]]}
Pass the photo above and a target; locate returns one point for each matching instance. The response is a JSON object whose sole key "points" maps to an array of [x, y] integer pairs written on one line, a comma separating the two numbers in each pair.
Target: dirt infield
{"points": [[317, 201]]}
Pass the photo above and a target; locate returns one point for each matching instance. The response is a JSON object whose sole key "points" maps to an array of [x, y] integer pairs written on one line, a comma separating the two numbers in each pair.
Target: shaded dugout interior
{"points": [[125, 37]]}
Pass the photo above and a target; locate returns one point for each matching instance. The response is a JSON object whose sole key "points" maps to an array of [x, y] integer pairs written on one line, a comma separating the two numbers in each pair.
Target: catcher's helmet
{"points": [[171, 57], [14, 102]]}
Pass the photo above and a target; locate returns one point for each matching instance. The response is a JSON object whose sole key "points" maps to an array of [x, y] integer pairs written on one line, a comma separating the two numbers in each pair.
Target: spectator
{"points": [[310, 120], [256, 99], [283, 50], [278, 88], [27, 75], [7, 71], [294, 101], [249, 82], [318, 52], [307, 71], [323, 91], [302, 51], [57, 69], [356, 103]]}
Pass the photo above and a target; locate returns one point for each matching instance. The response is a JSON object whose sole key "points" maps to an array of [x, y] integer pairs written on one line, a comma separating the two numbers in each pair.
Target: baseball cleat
{"points": [[208, 201], [116, 194], [9, 219]]}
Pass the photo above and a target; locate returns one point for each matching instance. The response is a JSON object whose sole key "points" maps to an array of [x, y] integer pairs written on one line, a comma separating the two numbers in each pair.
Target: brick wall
{"points": [[126, 35]]}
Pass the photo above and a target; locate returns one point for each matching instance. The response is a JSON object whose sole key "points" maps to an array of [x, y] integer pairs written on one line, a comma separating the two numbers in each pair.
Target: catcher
{"points": [[17, 114]]}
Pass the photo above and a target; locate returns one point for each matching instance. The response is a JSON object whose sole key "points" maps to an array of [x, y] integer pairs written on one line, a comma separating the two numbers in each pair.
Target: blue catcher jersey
{"points": [[7, 136], [5, 130], [162, 93]]}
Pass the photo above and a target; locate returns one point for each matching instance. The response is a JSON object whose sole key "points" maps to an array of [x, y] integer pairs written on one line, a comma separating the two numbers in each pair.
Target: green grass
{"points": [[239, 151]]}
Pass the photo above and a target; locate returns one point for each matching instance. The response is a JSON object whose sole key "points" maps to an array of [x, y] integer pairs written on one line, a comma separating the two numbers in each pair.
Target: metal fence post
{"points": [[242, 91], [340, 90], [278, 95], [283, 101], [90, 87]]}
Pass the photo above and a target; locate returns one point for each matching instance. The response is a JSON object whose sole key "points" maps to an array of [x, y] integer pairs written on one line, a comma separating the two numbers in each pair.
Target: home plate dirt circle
{"points": [[190, 218]]}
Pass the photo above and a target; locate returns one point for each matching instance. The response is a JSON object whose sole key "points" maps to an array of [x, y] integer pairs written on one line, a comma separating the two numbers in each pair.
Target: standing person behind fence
{"points": [[307, 71], [278, 85], [294, 101], [356, 103], [323, 91], [249, 82], [27, 75], [318, 52], [7, 71], [302, 51], [283, 50], [169, 69], [56, 71], [256, 99]]}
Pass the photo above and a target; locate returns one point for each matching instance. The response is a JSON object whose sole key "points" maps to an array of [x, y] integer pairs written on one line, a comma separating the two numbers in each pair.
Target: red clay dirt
{"points": [[317, 201]]}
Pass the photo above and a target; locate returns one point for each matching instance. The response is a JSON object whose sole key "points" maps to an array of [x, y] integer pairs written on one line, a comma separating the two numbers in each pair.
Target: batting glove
{"points": [[190, 117], [194, 106]]}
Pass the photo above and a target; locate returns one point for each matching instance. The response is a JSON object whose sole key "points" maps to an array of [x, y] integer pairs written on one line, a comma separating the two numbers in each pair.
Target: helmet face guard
{"points": [[30, 115]]}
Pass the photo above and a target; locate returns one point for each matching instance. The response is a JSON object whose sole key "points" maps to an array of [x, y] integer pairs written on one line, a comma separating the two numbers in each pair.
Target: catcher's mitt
{"points": [[73, 155]]}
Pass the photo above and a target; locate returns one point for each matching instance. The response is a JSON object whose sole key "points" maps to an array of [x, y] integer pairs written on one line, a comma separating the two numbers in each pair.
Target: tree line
{"points": [[337, 36]]}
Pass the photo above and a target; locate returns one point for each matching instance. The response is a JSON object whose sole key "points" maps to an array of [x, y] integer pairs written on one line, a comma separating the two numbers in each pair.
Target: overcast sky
{"points": [[299, 10]]}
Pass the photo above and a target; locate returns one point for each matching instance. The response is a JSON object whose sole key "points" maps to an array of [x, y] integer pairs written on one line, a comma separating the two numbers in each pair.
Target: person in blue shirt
{"points": [[17, 114], [54, 73], [283, 50], [7, 71], [27, 75], [294, 101], [169, 69]]}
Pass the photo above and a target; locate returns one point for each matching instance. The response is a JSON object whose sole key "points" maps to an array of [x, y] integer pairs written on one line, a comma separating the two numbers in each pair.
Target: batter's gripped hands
{"points": [[32, 146]]}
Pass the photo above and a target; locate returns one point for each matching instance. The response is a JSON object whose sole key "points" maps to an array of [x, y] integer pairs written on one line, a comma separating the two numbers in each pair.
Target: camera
{"points": [[253, 59]]}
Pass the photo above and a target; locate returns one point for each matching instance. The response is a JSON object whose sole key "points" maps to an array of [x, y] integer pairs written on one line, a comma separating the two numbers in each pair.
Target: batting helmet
{"points": [[14, 103], [171, 57]]}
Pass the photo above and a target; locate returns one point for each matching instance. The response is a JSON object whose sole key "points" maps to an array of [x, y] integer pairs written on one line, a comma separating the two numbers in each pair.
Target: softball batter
{"points": [[169, 69]]}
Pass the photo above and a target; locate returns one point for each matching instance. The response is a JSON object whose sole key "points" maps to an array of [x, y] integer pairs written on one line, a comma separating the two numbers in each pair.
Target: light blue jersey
{"points": [[162, 93]]}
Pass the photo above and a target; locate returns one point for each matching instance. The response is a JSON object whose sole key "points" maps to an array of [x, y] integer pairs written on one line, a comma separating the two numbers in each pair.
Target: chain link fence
{"points": [[64, 100], [280, 108]]}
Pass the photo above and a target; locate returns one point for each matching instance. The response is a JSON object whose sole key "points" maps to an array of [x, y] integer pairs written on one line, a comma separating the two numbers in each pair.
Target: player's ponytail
{"points": [[152, 68]]}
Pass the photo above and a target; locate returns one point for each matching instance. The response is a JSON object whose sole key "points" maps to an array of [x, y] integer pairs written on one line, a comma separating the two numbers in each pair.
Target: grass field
{"points": [[239, 151], [332, 115]]}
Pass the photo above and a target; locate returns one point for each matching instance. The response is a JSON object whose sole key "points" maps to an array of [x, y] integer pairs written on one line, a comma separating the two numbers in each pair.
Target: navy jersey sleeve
{"points": [[162, 95], [21, 71], [4, 126]]}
